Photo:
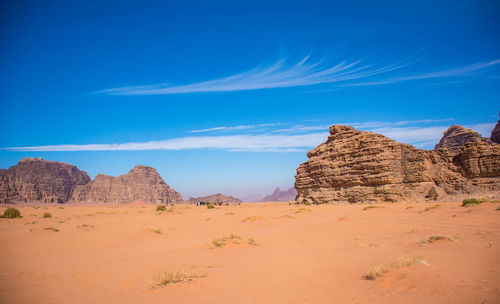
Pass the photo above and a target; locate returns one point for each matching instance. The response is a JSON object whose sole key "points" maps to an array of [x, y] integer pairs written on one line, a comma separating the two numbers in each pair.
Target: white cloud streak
{"points": [[420, 136], [302, 73], [254, 143], [235, 128]]}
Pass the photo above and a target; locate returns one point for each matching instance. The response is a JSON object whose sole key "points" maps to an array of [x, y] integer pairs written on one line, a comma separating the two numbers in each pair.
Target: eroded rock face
{"points": [[356, 166], [36, 179], [142, 183], [456, 136], [495, 134], [281, 196], [219, 197]]}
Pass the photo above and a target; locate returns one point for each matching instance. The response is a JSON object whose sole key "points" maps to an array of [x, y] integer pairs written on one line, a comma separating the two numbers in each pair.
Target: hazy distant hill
{"points": [[281, 196]]}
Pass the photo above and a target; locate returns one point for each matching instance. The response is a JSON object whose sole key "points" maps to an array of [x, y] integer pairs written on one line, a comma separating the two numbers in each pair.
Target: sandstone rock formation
{"points": [[356, 166], [456, 136], [214, 198], [142, 183], [495, 134], [36, 179], [281, 196]]}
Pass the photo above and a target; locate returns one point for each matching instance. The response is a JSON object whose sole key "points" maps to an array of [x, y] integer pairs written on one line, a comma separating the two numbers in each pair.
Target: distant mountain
{"points": [[252, 198], [281, 196], [219, 197]]}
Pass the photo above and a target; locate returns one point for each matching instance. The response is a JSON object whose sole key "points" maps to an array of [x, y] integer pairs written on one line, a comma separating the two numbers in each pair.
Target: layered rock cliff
{"points": [[456, 136], [142, 183], [36, 179], [281, 196], [356, 166], [495, 134], [219, 197]]}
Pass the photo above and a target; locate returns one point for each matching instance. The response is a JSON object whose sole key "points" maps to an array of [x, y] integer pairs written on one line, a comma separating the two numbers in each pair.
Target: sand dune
{"points": [[302, 254]]}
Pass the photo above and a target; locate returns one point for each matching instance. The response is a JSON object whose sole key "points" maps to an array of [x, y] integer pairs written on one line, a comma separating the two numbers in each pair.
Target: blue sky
{"points": [[229, 96]]}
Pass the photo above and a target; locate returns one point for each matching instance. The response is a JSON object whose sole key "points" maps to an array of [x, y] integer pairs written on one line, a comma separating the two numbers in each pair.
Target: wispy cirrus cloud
{"points": [[235, 128], [420, 133], [305, 72]]}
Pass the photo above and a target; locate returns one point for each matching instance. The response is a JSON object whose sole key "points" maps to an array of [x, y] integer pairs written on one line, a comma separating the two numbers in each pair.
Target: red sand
{"points": [[318, 256]]}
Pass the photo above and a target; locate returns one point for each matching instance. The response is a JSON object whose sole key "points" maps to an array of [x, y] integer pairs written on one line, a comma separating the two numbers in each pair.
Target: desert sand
{"points": [[303, 254]]}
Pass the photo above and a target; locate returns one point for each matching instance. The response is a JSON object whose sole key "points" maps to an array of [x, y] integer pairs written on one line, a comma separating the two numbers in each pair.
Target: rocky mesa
{"points": [[356, 166], [214, 198], [36, 179], [142, 183]]}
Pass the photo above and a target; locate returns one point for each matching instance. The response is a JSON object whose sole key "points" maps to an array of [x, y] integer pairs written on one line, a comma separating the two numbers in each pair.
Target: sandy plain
{"points": [[303, 254]]}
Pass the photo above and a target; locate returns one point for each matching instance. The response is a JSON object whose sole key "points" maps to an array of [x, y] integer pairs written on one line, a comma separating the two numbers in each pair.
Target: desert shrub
{"points": [[161, 208], [498, 208], [252, 218], [307, 203], [372, 206], [11, 213], [472, 201], [210, 206], [300, 210], [46, 215]]}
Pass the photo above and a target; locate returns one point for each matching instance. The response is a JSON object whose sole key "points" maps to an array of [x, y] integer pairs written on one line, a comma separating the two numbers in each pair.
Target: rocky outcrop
{"points": [[456, 136], [214, 198], [356, 166], [142, 183], [281, 196], [495, 134], [36, 179]]}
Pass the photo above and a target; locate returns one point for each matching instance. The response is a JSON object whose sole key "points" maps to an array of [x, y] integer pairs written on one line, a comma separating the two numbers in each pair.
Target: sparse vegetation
{"points": [[11, 213], [210, 206], [287, 216], [437, 237], [155, 230], [51, 229], [229, 213], [172, 276], [307, 203], [161, 208], [231, 238], [60, 207], [372, 207], [378, 271], [409, 207], [252, 218], [430, 208], [472, 201], [300, 210], [46, 215], [498, 208]]}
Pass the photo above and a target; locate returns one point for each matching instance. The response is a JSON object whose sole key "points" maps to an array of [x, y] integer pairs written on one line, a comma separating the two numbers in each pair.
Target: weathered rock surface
{"points": [[36, 179], [456, 136], [281, 196], [495, 134], [214, 198], [142, 183], [356, 166]]}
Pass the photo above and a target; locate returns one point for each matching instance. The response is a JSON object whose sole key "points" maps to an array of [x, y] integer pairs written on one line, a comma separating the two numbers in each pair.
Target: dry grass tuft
{"points": [[229, 213], [51, 229], [286, 216], [252, 218], [372, 207], [46, 215], [430, 208], [231, 238], [155, 230], [172, 276], [300, 210], [378, 271], [437, 237]]}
